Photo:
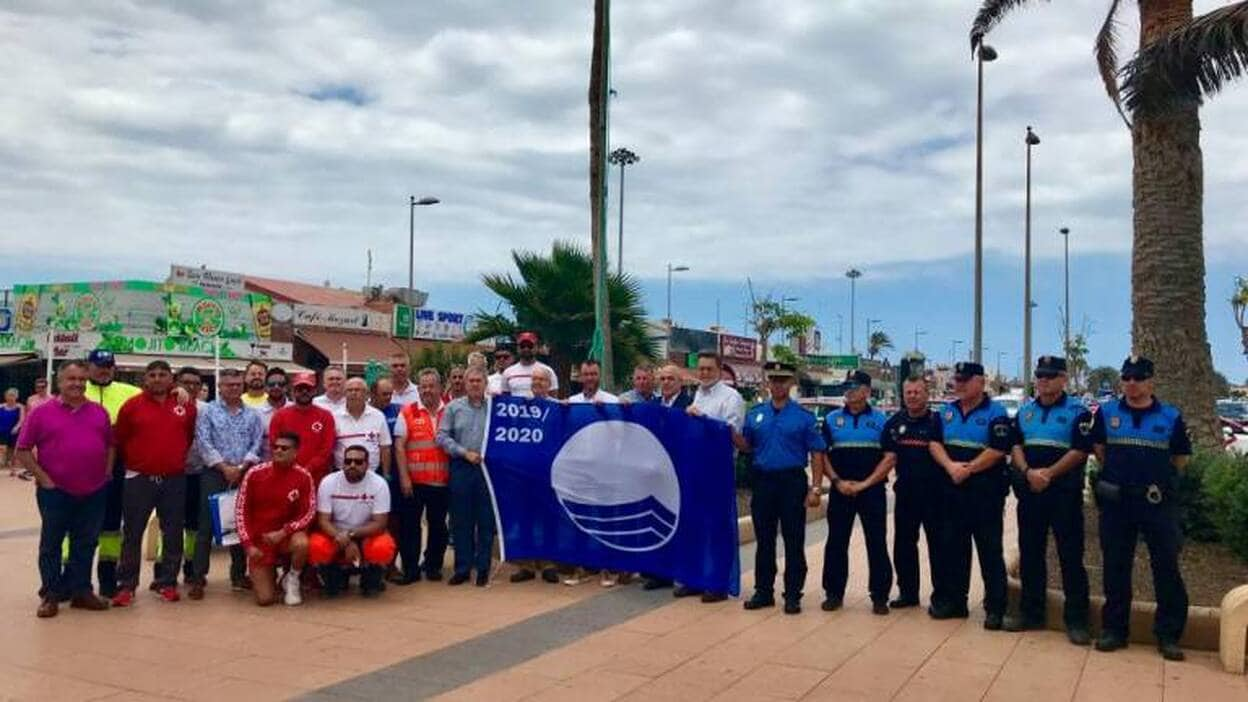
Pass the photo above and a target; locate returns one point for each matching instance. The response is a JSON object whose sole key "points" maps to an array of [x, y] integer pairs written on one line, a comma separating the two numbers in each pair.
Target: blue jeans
{"points": [[472, 518], [79, 518]]}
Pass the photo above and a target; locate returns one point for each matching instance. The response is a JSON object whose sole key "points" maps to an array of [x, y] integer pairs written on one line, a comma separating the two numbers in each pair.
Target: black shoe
{"points": [[709, 597], [759, 601], [407, 578], [831, 604], [458, 579], [903, 603], [880, 608], [993, 622], [433, 576], [482, 579], [655, 584], [551, 576], [1021, 623], [371, 583], [1110, 642], [1170, 651], [946, 612], [792, 606], [1078, 634], [522, 576], [685, 591]]}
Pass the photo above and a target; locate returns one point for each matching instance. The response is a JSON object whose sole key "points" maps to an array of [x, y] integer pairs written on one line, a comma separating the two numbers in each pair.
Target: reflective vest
{"points": [[426, 463]]}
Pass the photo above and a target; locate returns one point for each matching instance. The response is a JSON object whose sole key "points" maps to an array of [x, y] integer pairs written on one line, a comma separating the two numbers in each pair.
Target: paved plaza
{"points": [[545, 642]]}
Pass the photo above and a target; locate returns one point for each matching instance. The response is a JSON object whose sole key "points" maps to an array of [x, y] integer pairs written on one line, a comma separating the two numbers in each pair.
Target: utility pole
{"points": [[853, 274], [1031, 140]]}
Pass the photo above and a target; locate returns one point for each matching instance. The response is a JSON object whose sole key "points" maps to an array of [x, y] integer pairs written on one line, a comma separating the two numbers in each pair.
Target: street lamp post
{"points": [[999, 355], [917, 333], [670, 270], [983, 55], [840, 333], [853, 274], [621, 157], [1065, 232], [953, 353], [1031, 140], [413, 203]]}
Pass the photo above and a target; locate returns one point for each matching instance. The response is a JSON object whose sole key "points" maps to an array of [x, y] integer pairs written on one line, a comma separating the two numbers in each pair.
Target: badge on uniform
{"points": [[1029, 415], [840, 421], [948, 415], [901, 429], [1115, 422], [758, 418]]}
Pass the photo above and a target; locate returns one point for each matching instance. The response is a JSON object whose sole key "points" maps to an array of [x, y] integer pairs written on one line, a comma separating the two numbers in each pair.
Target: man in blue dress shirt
{"points": [[780, 434]]}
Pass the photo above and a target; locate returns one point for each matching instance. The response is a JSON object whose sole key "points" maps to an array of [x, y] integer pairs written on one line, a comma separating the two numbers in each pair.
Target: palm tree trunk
{"points": [[1168, 260]]}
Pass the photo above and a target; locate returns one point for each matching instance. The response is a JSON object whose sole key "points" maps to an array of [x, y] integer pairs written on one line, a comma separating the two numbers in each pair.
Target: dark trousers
{"points": [[210, 482], [976, 514], [472, 518], [919, 507], [871, 508], [431, 502], [110, 532], [79, 518], [779, 500], [1061, 511], [1120, 524], [142, 494], [189, 530]]}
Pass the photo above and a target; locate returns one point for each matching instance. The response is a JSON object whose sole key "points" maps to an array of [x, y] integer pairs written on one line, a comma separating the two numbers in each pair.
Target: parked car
{"points": [[1235, 435], [821, 406]]}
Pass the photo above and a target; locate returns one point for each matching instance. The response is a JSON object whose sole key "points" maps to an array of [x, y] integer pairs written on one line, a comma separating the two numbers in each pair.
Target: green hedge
{"points": [[1224, 482]]}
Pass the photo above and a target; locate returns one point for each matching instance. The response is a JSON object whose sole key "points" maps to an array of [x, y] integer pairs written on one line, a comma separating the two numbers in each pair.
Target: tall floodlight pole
{"points": [[413, 203], [983, 55], [670, 270], [621, 157], [1031, 140], [853, 274], [1065, 232]]}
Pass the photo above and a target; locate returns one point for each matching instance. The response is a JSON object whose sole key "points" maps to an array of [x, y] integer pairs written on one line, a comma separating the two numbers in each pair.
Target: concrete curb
{"points": [[1203, 631]]}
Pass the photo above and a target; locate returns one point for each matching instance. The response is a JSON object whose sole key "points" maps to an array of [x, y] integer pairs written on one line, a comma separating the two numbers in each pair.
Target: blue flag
{"points": [[635, 488]]}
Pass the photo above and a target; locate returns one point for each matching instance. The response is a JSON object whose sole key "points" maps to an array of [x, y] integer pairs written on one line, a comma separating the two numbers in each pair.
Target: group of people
{"points": [[954, 465], [348, 480]]}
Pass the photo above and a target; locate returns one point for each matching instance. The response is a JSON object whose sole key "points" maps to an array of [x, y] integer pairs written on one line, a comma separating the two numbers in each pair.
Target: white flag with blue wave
{"points": [[634, 488]]}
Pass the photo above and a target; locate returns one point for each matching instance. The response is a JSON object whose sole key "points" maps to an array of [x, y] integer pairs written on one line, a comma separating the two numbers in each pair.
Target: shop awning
{"points": [[359, 348], [137, 361], [12, 359]]}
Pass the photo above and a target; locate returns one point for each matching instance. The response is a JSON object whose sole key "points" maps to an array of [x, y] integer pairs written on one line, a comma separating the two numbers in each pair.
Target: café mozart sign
{"points": [[346, 318]]}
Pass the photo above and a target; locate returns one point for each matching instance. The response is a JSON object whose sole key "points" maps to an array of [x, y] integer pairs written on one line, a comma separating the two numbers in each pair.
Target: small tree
{"points": [[1102, 376], [878, 342], [771, 315]]}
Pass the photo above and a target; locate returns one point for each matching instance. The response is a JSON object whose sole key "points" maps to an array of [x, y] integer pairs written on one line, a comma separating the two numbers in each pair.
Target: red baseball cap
{"points": [[303, 378], [528, 336]]}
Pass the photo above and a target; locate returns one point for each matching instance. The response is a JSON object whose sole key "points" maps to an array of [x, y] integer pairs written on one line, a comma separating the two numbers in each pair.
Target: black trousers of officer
{"points": [[871, 508], [1059, 509], [919, 507], [976, 513], [779, 500], [1120, 524], [432, 503]]}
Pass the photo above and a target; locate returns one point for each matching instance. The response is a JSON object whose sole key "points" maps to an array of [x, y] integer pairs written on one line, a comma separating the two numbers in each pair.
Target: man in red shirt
{"points": [[153, 433], [314, 425], [276, 503]]}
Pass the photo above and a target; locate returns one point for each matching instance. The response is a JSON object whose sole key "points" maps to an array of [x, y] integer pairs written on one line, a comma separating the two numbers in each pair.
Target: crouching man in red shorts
{"points": [[353, 506], [276, 503]]}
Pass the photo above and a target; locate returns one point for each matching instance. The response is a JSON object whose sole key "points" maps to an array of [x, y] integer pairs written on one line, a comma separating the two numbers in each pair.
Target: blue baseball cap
{"points": [[101, 357]]}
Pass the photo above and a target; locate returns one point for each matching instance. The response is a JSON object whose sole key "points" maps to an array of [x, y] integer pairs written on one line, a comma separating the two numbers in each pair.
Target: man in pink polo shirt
{"points": [[74, 439]]}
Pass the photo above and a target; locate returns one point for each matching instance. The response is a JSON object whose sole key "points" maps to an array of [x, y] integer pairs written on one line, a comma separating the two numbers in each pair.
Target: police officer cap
{"points": [[1137, 366], [101, 357], [504, 343], [1051, 365], [776, 369], [858, 379], [967, 370]]}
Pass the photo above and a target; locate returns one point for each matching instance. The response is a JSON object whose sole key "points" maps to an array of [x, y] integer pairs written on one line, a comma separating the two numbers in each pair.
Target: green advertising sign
{"points": [[430, 324], [846, 362]]}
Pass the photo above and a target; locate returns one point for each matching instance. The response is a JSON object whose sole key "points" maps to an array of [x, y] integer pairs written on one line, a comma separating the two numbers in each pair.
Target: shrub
{"points": [[1195, 506], [1225, 479]]}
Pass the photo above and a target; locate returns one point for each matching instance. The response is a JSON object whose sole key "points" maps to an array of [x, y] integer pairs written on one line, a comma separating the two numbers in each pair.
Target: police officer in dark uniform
{"points": [[1052, 440], [975, 436], [919, 488], [780, 434], [858, 469], [1141, 444]]}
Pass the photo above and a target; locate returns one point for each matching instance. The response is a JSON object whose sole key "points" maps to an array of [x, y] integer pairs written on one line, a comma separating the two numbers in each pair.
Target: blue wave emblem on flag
{"points": [[634, 526], [627, 499]]}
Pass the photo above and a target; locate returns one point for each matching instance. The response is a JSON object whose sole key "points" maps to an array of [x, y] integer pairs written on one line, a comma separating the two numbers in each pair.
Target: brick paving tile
{"points": [[776, 681]]}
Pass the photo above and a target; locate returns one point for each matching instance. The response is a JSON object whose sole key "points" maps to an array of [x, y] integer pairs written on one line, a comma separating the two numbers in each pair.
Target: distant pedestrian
{"points": [[12, 413]]}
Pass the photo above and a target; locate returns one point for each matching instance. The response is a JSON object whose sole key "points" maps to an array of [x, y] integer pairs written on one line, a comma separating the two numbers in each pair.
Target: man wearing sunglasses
{"points": [[1052, 440], [275, 384], [353, 505], [313, 424], [276, 503], [1142, 446], [504, 356]]}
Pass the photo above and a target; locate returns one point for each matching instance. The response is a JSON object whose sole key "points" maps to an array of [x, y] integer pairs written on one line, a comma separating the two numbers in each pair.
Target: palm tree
{"points": [[1180, 61], [1239, 303], [878, 341], [553, 297], [771, 315]]}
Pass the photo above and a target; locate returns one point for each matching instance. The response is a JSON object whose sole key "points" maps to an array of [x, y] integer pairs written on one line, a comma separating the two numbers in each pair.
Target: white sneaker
{"points": [[290, 583], [576, 578]]}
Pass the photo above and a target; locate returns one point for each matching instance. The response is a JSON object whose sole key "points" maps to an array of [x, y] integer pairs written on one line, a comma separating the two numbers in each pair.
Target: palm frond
{"points": [[990, 15], [1190, 63], [1107, 58]]}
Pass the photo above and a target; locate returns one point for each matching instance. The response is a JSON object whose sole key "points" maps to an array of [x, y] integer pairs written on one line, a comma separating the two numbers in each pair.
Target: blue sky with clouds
{"points": [[785, 141]]}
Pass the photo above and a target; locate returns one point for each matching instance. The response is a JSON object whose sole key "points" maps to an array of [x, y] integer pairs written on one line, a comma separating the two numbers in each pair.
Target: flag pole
{"points": [[599, 96], [47, 373]]}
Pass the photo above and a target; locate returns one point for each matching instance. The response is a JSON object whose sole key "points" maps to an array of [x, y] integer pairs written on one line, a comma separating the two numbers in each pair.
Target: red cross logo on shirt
{"points": [[179, 411], [317, 427], [293, 495]]}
